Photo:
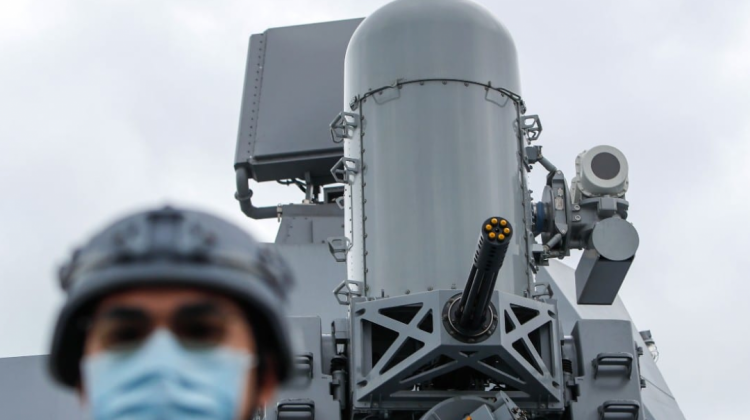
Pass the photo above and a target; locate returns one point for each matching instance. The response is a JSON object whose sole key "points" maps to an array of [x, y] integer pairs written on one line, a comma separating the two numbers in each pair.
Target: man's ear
{"points": [[267, 387], [81, 392]]}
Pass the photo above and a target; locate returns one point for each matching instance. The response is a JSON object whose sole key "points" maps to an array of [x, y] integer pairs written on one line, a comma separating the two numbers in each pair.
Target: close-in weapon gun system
{"points": [[429, 142]]}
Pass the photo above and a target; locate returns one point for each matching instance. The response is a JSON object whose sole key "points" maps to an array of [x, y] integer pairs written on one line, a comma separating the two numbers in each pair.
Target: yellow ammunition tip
{"points": [[493, 221], [503, 222], [506, 231], [488, 228], [492, 235], [500, 237]]}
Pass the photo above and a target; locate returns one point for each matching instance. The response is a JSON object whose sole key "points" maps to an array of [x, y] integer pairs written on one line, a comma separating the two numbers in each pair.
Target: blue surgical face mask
{"points": [[162, 380]]}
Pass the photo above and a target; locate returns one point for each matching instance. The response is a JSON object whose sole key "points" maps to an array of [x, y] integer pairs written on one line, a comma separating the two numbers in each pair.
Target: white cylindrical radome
{"points": [[438, 145]]}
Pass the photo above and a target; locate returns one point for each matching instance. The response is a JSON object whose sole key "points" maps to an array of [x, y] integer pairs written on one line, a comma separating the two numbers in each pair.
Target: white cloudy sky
{"points": [[108, 106]]}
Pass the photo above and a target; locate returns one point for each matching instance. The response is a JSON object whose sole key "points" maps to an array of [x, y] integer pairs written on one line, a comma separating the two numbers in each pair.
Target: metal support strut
{"points": [[243, 195]]}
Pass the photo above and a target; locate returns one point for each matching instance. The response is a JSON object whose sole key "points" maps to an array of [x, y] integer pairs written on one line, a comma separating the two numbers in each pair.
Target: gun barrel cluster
{"points": [[488, 259]]}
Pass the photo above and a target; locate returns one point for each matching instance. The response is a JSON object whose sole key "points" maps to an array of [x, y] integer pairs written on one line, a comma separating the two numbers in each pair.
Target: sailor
{"points": [[172, 314]]}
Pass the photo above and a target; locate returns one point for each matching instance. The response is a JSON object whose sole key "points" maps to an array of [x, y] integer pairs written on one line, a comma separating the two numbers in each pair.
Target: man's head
{"points": [[172, 310]]}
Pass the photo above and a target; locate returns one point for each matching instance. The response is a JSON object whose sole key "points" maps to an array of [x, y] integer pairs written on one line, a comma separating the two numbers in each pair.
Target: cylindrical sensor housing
{"points": [[600, 171], [434, 84]]}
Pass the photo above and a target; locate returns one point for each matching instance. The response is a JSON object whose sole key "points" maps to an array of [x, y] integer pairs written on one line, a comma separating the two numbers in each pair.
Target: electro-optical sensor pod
{"points": [[472, 315]]}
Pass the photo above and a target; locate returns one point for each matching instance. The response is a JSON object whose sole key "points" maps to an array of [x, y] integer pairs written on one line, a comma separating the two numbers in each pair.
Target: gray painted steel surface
{"points": [[437, 157], [310, 394], [28, 393], [658, 400], [317, 274], [607, 375], [418, 39]]}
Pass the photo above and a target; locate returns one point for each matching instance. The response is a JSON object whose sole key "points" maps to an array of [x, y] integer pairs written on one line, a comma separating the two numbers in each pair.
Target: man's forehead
{"points": [[162, 299]]}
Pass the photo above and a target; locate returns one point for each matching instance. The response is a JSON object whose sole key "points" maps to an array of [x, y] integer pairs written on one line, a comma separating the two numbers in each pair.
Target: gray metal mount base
{"points": [[402, 357]]}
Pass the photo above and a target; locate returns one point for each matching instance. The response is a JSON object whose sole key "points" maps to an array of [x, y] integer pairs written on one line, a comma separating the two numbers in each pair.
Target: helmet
{"points": [[171, 247]]}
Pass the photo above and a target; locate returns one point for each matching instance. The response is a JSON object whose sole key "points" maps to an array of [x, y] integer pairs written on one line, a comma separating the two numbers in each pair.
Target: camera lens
{"points": [[605, 165]]}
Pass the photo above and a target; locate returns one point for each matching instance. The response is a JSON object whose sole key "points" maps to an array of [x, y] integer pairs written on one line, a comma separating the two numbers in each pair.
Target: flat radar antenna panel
{"points": [[293, 86]]}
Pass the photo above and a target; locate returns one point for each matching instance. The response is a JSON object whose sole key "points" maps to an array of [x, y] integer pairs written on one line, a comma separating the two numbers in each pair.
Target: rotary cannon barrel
{"points": [[488, 259]]}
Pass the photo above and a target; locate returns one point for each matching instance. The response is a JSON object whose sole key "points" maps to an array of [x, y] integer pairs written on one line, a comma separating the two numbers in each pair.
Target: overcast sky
{"points": [[110, 106]]}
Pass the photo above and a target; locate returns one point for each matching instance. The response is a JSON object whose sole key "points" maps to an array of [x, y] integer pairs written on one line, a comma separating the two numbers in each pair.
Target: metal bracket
{"points": [[344, 289], [531, 126], [540, 254], [344, 170], [387, 94], [495, 96], [552, 220], [614, 409], [303, 409], [342, 127], [339, 246], [624, 360], [547, 291]]}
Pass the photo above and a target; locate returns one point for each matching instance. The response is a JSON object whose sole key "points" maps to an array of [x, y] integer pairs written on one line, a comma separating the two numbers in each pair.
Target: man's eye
{"points": [[125, 335], [201, 331]]}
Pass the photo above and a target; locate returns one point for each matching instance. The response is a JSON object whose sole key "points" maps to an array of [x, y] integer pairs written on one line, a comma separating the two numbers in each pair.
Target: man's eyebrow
{"points": [[203, 307], [127, 312]]}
